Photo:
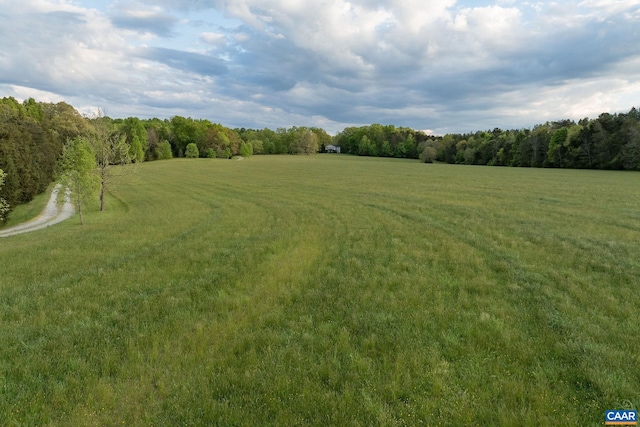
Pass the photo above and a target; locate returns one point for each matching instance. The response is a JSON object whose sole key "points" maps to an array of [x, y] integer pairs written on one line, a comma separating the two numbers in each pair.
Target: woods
{"points": [[611, 141], [33, 136]]}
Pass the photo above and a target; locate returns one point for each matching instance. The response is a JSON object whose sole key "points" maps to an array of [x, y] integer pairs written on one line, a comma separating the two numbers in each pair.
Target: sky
{"points": [[442, 66]]}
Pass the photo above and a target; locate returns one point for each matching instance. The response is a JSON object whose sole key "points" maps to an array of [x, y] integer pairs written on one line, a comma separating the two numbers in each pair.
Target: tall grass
{"points": [[328, 290]]}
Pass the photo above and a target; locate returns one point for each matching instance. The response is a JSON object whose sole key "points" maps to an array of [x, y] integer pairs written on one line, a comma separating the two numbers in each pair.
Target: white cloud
{"points": [[214, 39], [442, 65], [609, 7]]}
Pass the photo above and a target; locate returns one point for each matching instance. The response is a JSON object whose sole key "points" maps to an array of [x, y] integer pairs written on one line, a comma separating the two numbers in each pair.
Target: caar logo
{"points": [[621, 418]]}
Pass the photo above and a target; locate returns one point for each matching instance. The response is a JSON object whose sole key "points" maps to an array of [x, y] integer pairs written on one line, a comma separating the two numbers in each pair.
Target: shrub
{"points": [[428, 155], [192, 151]]}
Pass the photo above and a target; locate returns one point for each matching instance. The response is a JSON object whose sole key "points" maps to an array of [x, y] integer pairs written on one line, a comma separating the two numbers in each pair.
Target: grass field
{"points": [[328, 290]]}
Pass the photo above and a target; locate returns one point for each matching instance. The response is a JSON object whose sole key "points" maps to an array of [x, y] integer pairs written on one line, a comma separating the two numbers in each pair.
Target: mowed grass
{"points": [[328, 290]]}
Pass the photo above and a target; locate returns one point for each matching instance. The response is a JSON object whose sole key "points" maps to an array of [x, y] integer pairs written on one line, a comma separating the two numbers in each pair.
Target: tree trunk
{"points": [[102, 197], [79, 204], [80, 212]]}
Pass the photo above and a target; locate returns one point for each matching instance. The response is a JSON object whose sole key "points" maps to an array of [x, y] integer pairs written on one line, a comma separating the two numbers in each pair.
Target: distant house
{"points": [[332, 149]]}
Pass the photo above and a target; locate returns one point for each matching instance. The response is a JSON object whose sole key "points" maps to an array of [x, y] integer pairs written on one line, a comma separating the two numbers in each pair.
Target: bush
{"points": [[428, 155], [192, 151]]}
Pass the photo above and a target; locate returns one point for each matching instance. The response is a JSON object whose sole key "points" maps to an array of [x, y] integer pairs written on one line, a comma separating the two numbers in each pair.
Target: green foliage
{"points": [[385, 149], [204, 134], [246, 149], [384, 141], [185, 131], [295, 140], [4, 206], [163, 151], [136, 137], [211, 153], [410, 147], [111, 150], [108, 143], [556, 147], [612, 141], [192, 151], [31, 139], [258, 146], [78, 173], [304, 141], [135, 150], [222, 141], [365, 148], [630, 150], [32, 136], [429, 154], [158, 131]]}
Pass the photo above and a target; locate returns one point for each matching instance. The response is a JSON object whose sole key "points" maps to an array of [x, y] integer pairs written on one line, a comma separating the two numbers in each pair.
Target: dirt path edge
{"points": [[51, 215]]}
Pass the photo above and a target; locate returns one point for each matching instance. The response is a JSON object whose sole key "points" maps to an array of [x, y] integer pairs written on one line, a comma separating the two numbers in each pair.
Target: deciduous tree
{"points": [[163, 151], [78, 172], [246, 149], [557, 146], [365, 147], [429, 154], [304, 141], [111, 151], [192, 151]]}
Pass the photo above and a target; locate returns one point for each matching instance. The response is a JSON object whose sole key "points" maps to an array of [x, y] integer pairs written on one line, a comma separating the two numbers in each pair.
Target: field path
{"points": [[51, 215]]}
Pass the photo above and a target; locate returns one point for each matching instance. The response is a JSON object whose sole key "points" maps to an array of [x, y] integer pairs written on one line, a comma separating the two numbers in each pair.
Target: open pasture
{"points": [[328, 290]]}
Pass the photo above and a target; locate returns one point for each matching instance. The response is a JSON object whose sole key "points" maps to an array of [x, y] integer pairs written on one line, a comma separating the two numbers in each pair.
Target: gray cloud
{"points": [[440, 65], [204, 65], [159, 25]]}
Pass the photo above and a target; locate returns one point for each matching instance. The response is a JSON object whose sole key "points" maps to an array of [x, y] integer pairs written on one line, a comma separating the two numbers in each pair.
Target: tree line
{"points": [[383, 141], [35, 135], [611, 141], [32, 137], [163, 139]]}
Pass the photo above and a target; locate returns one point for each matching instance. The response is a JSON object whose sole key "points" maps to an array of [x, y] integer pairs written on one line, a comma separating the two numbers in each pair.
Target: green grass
{"points": [[328, 290], [26, 212]]}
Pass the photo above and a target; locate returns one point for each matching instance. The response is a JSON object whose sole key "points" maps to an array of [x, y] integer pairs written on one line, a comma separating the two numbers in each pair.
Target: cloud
{"points": [[143, 20], [459, 57], [202, 64], [213, 39], [443, 65]]}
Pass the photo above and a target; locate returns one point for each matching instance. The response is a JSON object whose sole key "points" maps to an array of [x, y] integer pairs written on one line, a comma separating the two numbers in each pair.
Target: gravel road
{"points": [[52, 214]]}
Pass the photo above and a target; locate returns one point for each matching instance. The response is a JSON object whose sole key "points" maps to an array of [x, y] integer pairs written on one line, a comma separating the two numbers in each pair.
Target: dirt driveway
{"points": [[52, 214]]}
